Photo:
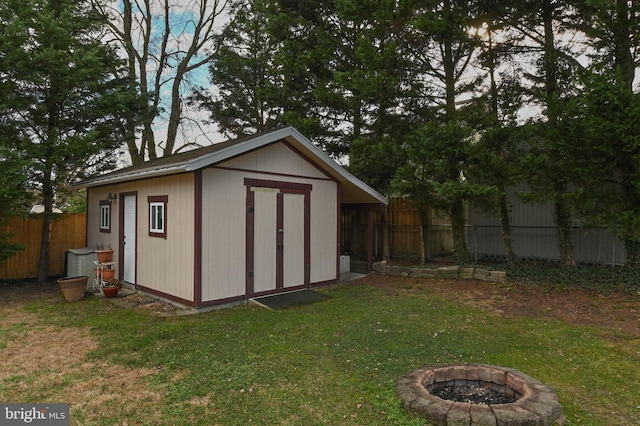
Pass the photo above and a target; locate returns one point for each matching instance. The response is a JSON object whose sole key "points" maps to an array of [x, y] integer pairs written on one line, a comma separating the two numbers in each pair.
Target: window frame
{"points": [[104, 223], [155, 202]]}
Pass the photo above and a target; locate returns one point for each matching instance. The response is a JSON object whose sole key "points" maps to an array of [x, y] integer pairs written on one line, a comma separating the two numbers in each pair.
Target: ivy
{"points": [[600, 278]]}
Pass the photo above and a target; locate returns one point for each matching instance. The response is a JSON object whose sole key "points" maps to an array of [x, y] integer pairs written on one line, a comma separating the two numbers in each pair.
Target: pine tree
{"points": [[62, 96]]}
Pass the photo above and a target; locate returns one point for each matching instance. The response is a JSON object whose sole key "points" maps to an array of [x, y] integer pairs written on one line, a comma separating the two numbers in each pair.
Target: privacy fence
{"points": [[67, 231], [533, 235], [401, 229], [590, 245]]}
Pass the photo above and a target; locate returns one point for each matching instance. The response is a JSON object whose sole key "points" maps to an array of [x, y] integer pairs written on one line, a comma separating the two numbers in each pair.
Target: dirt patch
{"points": [[46, 360], [620, 311]]}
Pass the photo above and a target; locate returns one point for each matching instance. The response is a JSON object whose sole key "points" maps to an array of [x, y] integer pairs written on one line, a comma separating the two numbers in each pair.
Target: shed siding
{"points": [[224, 234], [276, 159], [165, 265], [293, 258], [94, 236], [224, 219], [324, 231]]}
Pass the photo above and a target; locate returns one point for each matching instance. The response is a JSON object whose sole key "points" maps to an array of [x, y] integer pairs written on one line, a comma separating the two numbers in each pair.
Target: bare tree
{"points": [[165, 42]]}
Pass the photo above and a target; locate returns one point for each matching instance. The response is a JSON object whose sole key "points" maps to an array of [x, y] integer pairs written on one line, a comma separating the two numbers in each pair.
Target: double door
{"points": [[277, 238]]}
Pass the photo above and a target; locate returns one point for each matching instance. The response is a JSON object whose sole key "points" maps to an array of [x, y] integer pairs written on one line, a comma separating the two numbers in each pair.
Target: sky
{"points": [[183, 13]]}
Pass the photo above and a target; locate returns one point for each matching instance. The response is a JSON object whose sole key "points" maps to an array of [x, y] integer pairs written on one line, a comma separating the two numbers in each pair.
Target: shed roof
{"points": [[353, 189]]}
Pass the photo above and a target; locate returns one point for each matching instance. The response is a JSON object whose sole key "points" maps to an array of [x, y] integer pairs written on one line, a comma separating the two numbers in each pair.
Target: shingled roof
{"points": [[353, 189]]}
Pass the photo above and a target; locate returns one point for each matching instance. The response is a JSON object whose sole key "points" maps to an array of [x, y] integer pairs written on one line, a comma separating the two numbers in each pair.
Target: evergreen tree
{"points": [[439, 41], [245, 74], [494, 156], [61, 96], [606, 120], [13, 194], [549, 170]]}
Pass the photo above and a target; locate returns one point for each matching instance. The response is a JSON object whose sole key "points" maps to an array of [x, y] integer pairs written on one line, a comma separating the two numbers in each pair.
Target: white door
{"points": [[293, 240], [129, 239], [265, 239], [279, 240]]}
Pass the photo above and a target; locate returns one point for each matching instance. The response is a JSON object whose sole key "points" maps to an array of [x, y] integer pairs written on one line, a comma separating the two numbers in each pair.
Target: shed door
{"points": [[277, 239], [128, 239]]}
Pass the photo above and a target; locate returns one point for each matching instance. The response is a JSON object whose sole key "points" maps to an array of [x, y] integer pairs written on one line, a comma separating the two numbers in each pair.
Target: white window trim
{"points": [[105, 216], [158, 205], [154, 215]]}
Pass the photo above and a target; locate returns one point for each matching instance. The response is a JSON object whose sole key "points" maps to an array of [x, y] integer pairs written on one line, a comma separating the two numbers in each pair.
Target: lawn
{"points": [[334, 362]]}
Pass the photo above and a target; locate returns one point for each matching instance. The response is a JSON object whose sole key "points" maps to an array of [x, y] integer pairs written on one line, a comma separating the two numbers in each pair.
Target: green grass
{"points": [[337, 362]]}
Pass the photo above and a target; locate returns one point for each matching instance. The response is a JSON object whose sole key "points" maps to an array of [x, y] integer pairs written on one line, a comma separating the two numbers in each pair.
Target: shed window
{"points": [[105, 216], [158, 216]]}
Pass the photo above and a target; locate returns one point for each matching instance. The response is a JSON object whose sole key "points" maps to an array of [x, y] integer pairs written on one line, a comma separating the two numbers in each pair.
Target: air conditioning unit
{"points": [[80, 262]]}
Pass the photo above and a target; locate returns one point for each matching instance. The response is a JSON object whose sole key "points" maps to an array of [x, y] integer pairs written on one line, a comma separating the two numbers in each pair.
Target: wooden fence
{"points": [[404, 221], [67, 231]]}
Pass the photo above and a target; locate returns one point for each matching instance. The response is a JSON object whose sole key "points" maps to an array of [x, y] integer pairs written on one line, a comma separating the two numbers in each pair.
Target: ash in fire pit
{"points": [[479, 395], [472, 394]]}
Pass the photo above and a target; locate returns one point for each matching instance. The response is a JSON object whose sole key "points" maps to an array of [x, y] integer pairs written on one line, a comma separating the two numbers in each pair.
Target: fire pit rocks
{"points": [[480, 395]]}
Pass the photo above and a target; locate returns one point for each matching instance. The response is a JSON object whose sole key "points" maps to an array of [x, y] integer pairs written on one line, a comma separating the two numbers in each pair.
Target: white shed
{"points": [[225, 223]]}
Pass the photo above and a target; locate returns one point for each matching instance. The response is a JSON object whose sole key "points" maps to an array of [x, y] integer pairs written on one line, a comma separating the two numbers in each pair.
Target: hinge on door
{"points": [[250, 274], [250, 209]]}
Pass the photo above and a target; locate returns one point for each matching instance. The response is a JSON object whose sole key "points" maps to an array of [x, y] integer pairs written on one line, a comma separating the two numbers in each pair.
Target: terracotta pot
{"points": [[73, 288], [104, 256], [110, 292], [108, 274]]}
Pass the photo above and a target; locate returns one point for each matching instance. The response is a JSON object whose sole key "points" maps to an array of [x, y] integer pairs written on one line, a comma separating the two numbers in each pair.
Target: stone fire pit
{"points": [[535, 403]]}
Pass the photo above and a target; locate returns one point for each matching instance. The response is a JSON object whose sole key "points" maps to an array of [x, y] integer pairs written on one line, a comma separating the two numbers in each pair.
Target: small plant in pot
{"points": [[111, 287], [104, 252]]}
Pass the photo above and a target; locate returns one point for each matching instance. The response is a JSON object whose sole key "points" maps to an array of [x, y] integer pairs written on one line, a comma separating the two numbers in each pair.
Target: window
{"points": [[105, 216], [158, 216]]}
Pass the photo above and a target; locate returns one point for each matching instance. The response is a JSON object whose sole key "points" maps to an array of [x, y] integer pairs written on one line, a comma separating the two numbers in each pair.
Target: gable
{"points": [[309, 157], [277, 158]]}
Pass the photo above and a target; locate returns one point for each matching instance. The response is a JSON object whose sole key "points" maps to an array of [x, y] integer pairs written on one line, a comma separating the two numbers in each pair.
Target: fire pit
{"points": [[480, 395]]}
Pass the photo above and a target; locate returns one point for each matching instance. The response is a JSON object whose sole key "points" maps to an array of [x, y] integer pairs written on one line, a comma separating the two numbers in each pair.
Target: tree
{"points": [[494, 156], [245, 74], [13, 194], [164, 44], [607, 121], [549, 170], [438, 40], [63, 96]]}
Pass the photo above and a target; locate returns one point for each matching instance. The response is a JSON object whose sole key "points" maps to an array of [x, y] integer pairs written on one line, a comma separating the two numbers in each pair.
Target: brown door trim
{"points": [[285, 188]]}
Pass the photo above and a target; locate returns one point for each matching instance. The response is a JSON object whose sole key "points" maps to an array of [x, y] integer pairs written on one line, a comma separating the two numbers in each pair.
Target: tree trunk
{"points": [[506, 228], [137, 156], [632, 249], [174, 116], [460, 251], [562, 218], [423, 240], [47, 201], [623, 33]]}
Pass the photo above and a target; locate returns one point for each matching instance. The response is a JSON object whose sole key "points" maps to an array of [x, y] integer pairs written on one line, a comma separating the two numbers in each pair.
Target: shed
{"points": [[221, 224]]}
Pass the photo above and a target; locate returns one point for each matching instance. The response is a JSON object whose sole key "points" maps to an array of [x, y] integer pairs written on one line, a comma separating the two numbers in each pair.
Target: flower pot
{"points": [[110, 292], [104, 256], [73, 288], [108, 274]]}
